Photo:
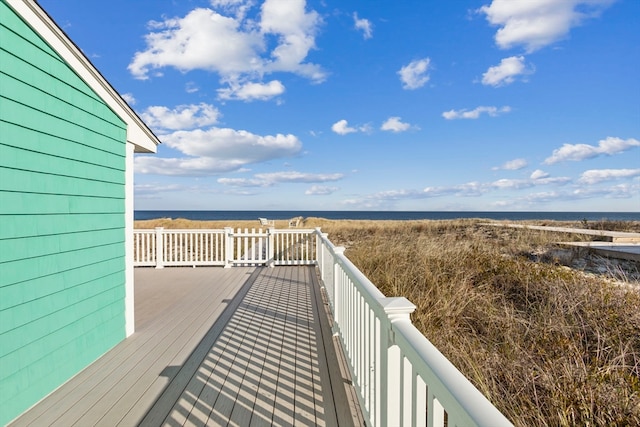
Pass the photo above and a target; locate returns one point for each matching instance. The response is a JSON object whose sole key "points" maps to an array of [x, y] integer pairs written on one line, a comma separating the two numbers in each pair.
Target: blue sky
{"points": [[375, 105]]}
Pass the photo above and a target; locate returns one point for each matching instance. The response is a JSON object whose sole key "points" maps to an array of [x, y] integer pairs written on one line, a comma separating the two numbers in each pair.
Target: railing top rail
{"points": [[459, 391], [179, 230], [221, 230]]}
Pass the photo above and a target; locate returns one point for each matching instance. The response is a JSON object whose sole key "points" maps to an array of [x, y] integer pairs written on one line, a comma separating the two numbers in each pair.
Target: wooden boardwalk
{"points": [[616, 244], [243, 346]]}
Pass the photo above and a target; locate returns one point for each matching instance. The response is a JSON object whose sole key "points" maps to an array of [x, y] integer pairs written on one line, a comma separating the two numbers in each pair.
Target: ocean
{"points": [[387, 215]]}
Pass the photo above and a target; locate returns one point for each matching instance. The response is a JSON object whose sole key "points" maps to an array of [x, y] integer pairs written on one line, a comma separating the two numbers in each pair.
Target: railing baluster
{"points": [[407, 392], [238, 243], [202, 247]]}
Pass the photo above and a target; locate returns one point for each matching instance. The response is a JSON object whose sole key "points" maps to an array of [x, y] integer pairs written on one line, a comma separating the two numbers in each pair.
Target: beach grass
{"points": [[549, 344]]}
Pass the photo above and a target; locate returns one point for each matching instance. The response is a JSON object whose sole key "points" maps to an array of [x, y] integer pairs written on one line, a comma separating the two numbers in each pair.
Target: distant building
{"points": [[67, 141]]}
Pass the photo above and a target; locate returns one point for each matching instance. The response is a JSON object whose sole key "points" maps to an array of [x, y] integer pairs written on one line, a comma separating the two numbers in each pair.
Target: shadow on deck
{"points": [[241, 346]]}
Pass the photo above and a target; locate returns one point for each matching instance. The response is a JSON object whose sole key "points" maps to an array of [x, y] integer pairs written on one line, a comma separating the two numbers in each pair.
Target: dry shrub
{"points": [[547, 345]]}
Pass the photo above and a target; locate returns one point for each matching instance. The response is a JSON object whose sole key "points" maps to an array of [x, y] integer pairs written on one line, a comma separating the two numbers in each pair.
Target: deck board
{"points": [[213, 346], [95, 383]]}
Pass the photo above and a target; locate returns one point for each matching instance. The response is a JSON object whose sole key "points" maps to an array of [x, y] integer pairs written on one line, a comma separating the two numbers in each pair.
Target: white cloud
{"points": [[146, 189], [512, 165], [186, 166], [243, 182], [622, 191], [131, 100], [472, 189], [296, 30], [227, 4], [341, 127], [561, 180], [217, 150], [508, 184], [475, 113], [595, 176], [577, 152], [182, 117], [538, 174], [191, 87], [233, 144], [469, 189], [398, 194], [536, 178], [238, 47], [252, 91], [415, 74], [273, 178], [293, 176], [544, 197], [320, 190], [363, 25], [203, 39], [535, 24], [506, 72], [394, 124], [517, 184], [239, 8]]}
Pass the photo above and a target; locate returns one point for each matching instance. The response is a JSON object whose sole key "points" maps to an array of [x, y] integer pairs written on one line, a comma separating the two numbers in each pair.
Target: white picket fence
{"points": [[401, 379], [227, 247]]}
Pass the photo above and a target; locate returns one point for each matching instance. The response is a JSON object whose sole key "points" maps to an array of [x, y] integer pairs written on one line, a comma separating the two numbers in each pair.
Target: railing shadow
{"points": [[257, 365]]}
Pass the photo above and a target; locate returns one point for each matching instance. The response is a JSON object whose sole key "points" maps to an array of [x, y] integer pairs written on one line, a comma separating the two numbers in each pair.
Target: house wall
{"points": [[62, 220]]}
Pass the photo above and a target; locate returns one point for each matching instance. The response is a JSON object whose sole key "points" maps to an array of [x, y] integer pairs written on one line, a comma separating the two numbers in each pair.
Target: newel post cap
{"points": [[397, 308]]}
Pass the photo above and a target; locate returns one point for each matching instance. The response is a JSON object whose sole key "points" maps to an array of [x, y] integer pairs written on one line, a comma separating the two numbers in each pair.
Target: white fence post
{"points": [[228, 246], [159, 247], [325, 249], [271, 243], [398, 309], [336, 287], [320, 248], [319, 251]]}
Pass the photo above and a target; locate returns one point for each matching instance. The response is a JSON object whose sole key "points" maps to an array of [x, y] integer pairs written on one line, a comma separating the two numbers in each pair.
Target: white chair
{"points": [[266, 223], [294, 222]]}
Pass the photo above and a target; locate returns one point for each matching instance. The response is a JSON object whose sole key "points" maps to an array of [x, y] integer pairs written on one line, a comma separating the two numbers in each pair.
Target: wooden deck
{"points": [[241, 346]]}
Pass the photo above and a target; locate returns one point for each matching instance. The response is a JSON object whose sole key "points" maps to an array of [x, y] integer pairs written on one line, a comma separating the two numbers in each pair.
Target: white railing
{"points": [[399, 376], [401, 379], [294, 247], [192, 247], [144, 248]]}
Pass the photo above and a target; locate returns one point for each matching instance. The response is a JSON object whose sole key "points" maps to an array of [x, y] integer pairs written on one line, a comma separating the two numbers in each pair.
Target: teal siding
{"points": [[62, 206]]}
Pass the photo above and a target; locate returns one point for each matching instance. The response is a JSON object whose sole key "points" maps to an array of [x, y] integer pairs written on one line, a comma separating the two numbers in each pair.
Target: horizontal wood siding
{"points": [[62, 224]]}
